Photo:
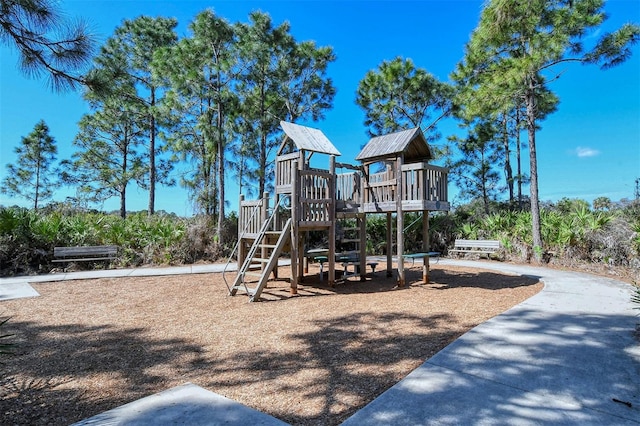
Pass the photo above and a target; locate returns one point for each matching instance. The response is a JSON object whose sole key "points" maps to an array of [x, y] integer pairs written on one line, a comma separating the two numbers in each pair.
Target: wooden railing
{"points": [[251, 216], [380, 187], [424, 187], [284, 168], [349, 187], [424, 182], [315, 197]]}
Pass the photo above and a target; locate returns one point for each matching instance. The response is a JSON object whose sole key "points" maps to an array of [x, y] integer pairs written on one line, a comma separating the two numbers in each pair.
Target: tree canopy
{"points": [[398, 96], [46, 42], [34, 177], [513, 49]]}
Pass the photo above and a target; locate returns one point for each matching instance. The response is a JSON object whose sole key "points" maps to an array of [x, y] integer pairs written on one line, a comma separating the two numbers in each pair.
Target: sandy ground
{"points": [[84, 347]]}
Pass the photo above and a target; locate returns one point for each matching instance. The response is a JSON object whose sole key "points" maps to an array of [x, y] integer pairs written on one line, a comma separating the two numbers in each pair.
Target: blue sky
{"points": [[589, 148]]}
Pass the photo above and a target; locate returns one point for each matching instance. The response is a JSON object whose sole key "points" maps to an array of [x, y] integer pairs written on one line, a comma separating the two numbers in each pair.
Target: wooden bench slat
{"points": [[85, 250], [84, 253], [81, 259], [475, 246]]}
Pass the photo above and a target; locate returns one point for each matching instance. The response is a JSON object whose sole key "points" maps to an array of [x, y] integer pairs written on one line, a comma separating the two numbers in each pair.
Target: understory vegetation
{"points": [[574, 234]]}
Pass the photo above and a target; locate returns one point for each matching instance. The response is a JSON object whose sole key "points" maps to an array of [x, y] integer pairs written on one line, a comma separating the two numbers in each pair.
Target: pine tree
{"points": [[516, 42], [34, 175], [47, 43], [128, 55], [398, 96]]}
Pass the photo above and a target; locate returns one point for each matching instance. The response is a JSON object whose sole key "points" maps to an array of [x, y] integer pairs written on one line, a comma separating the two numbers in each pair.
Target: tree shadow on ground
{"points": [[526, 368], [443, 279], [439, 279], [40, 372], [352, 353]]}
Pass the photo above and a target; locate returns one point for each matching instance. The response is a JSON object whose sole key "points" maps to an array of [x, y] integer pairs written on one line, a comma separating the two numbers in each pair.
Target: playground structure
{"points": [[393, 177]]}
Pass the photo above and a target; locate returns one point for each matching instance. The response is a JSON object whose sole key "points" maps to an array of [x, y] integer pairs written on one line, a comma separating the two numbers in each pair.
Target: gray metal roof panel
{"points": [[395, 143], [308, 138]]}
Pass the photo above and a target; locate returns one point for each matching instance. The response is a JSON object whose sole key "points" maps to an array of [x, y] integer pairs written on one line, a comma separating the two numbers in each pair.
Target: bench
{"points": [[414, 256], [84, 253], [487, 247]]}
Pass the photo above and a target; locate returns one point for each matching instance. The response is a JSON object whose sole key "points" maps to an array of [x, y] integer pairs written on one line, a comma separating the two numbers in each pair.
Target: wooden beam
{"points": [[362, 219], [295, 209], [400, 223], [425, 246], [332, 224], [389, 247]]}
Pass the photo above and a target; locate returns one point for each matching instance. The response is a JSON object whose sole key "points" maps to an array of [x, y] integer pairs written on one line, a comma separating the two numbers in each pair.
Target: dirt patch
{"points": [[84, 347]]}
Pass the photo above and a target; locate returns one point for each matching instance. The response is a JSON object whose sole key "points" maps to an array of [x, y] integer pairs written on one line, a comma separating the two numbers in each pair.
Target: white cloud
{"points": [[583, 152]]}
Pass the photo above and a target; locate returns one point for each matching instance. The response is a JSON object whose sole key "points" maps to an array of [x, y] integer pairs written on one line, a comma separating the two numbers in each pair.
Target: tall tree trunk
{"points": [[152, 155], [519, 158], [507, 156], [221, 145], [37, 193], [123, 189], [262, 172], [535, 204]]}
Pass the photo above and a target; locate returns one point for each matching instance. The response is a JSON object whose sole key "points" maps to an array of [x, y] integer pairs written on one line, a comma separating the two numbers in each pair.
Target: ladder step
{"points": [[269, 246], [250, 291], [259, 260]]}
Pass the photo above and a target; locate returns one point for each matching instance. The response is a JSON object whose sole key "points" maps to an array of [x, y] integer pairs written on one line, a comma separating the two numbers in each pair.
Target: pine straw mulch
{"points": [[84, 347]]}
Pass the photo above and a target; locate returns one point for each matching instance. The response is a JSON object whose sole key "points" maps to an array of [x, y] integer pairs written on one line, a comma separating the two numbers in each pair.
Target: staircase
{"points": [[350, 250], [255, 270]]}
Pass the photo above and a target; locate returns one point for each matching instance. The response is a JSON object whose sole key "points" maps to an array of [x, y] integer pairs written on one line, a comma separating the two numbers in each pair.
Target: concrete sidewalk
{"points": [[569, 355]]}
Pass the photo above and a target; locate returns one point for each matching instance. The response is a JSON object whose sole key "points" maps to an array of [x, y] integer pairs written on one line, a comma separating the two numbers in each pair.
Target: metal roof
{"points": [[308, 138], [411, 143]]}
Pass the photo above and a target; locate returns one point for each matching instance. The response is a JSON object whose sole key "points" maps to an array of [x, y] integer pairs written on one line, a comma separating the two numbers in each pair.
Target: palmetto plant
{"points": [[469, 230], [522, 227], [82, 229]]}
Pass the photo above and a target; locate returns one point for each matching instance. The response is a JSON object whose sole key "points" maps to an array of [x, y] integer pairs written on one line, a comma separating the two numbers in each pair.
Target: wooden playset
{"points": [[393, 177]]}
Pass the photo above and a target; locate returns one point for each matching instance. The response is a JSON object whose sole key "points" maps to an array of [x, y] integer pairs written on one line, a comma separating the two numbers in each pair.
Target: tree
{"points": [[516, 42], [201, 71], [474, 171], [33, 177], [398, 96], [128, 54], [107, 159], [47, 43], [305, 87], [602, 203], [261, 49], [280, 79]]}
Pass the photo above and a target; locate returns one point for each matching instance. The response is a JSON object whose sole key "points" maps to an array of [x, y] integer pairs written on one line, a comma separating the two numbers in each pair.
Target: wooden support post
{"points": [[241, 224], [389, 247], [400, 222], [264, 215], [302, 165], [277, 224], [362, 220], [294, 227], [425, 246], [332, 224]]}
